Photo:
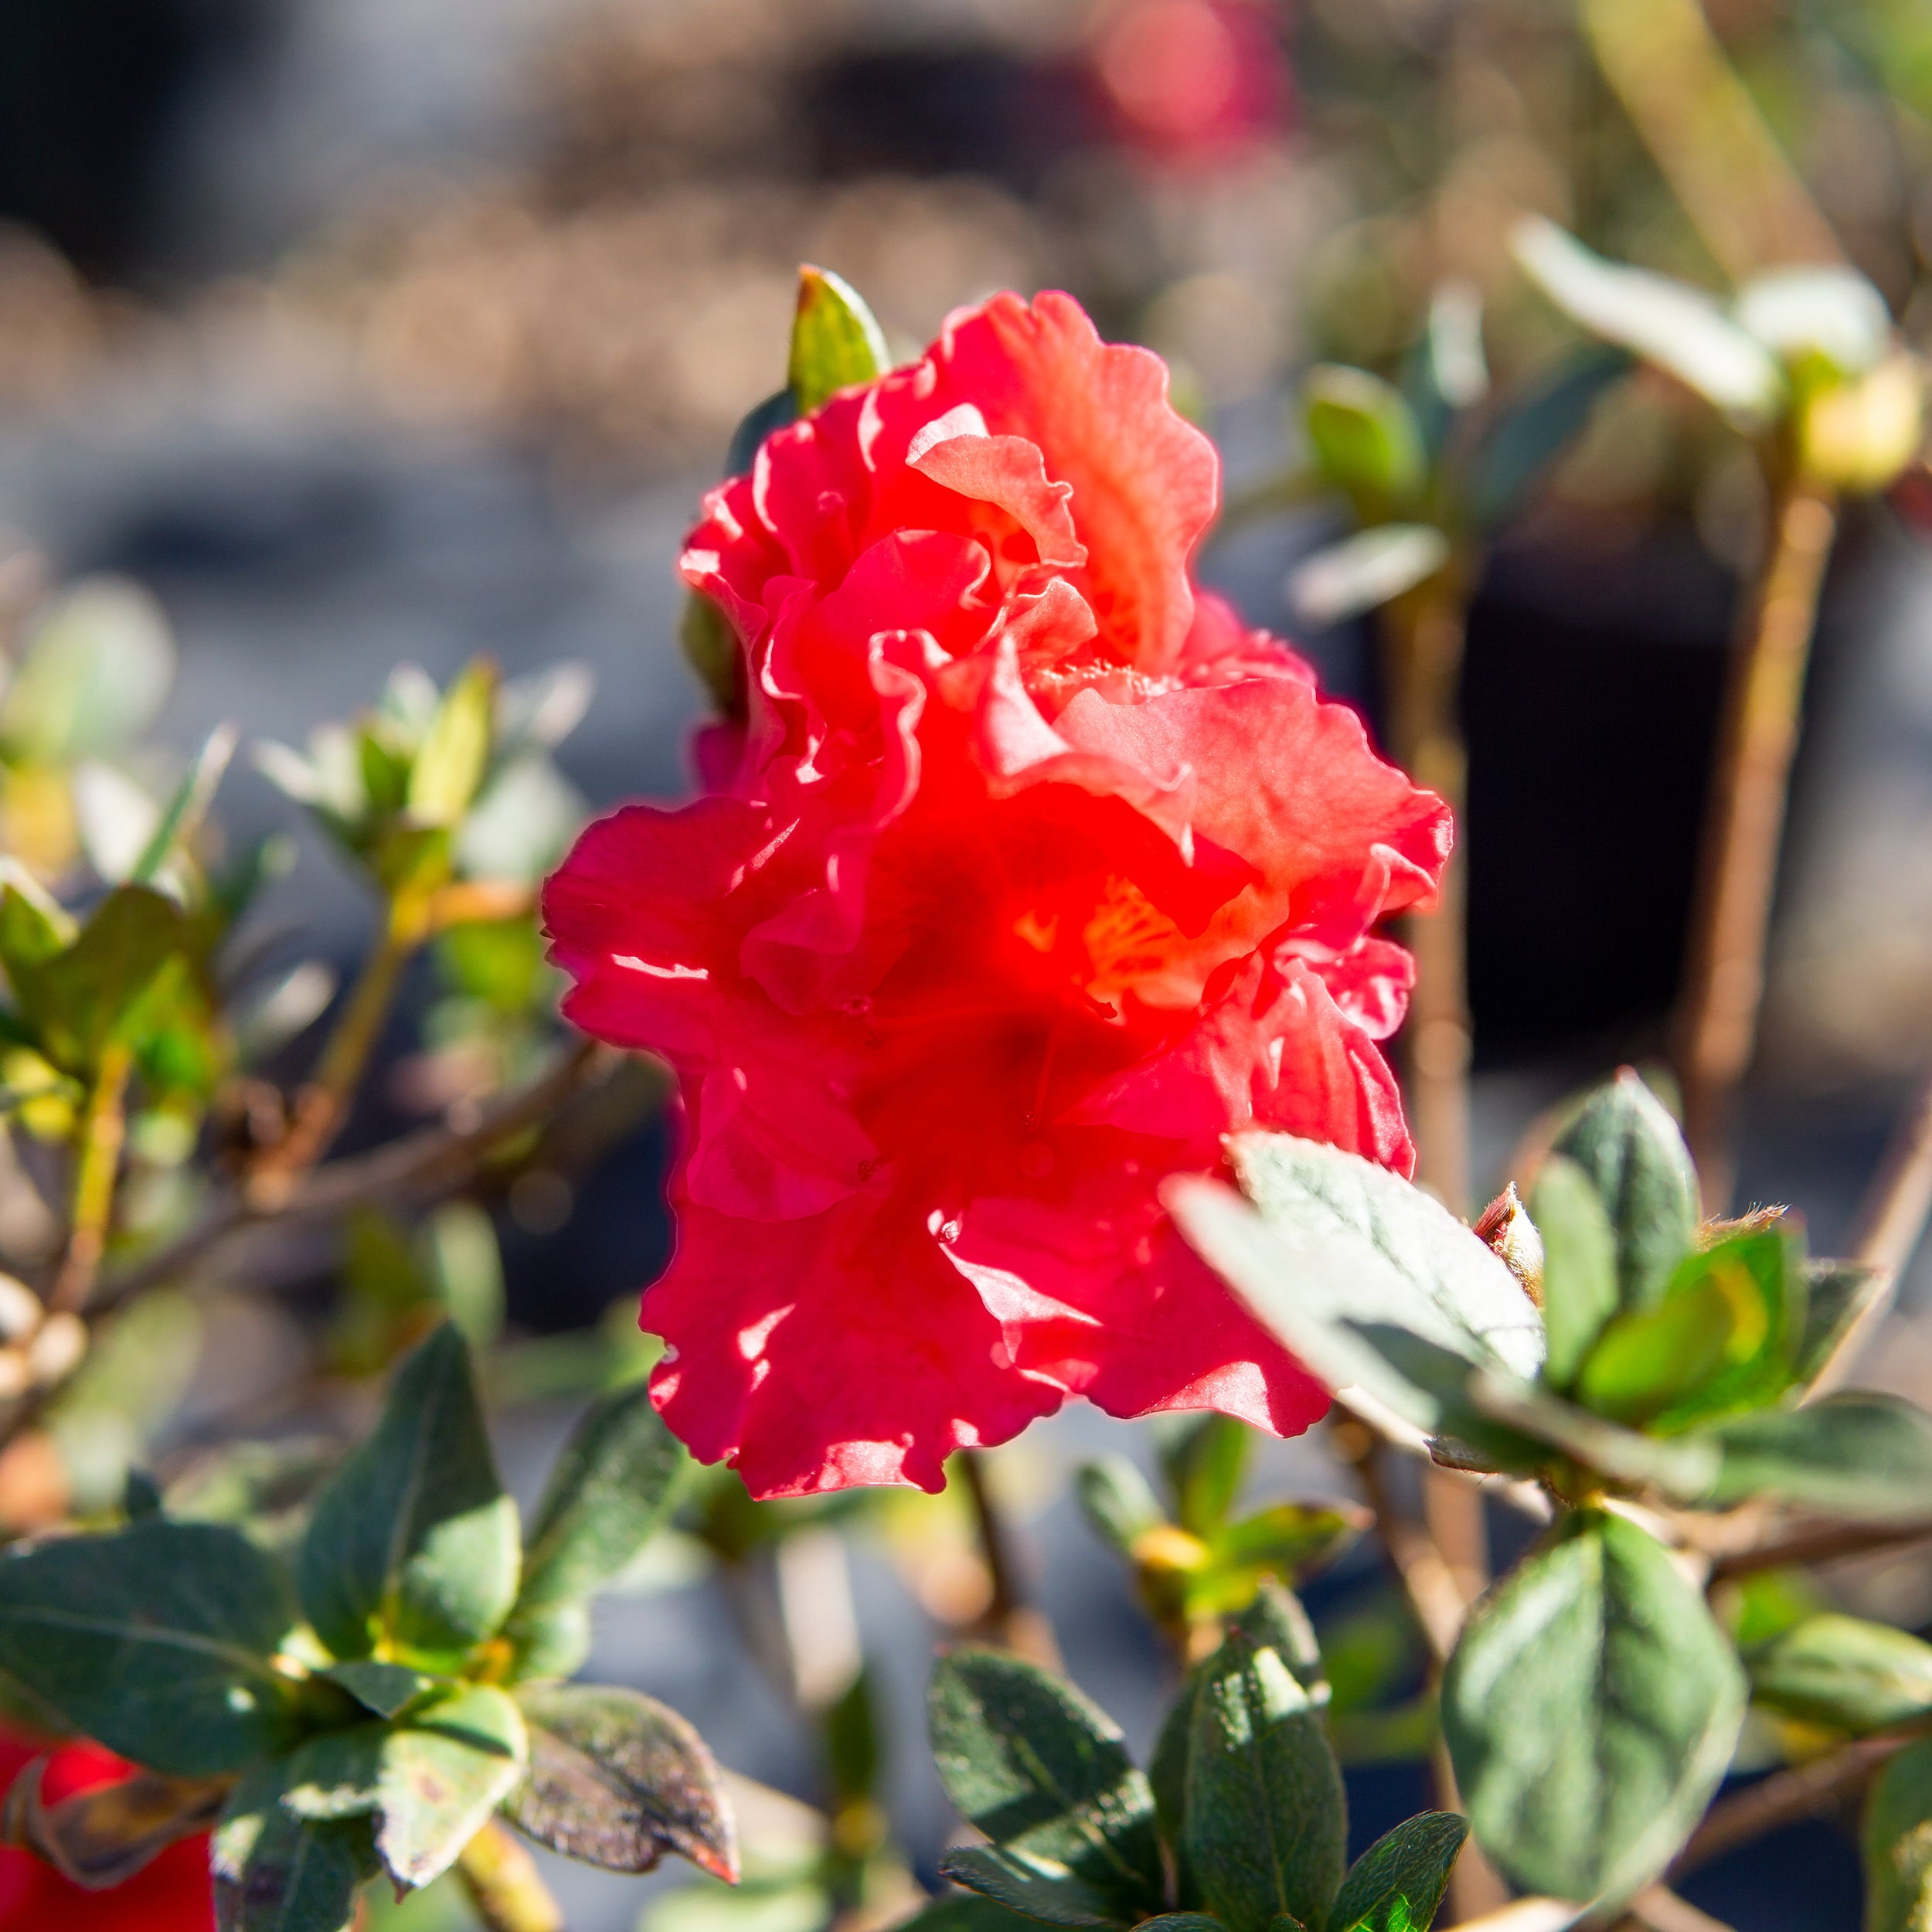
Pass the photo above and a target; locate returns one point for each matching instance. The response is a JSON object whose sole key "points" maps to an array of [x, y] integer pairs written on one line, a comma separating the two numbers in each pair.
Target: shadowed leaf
{"points": [[444, 1772], [102, 1837], [1397, 1883], [617, 1780], [275, 1872]]}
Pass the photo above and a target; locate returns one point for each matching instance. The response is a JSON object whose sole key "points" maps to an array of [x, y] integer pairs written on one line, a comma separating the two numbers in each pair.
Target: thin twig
{"points": [[1009, 1618], [1658, 1909], [1892, 1215], [1833, 1542], [419, 1160], [1427, 1581], [1725, 980], [1782, 1799]]}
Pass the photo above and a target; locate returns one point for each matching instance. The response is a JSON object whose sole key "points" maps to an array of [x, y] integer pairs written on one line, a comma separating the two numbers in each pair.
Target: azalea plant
{"points": [[1022, 969]]}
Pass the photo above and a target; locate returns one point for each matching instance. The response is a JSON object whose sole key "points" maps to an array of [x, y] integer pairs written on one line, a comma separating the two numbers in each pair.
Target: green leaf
{"points": [[1684, 1468], [1167, 1778], [618, 1779], [1365, 440], [1180, 1922], [1042, 1772], [620, 1476], [1276, 1620], [1895, 1835], [33, 926], [447, 771], [958, 1912], [1369, 1281], [1838, 1295], [444, 1772], [1589, 1709], [1651, 1359], [1035, 1887], [1675, 327], [95, 667], [466, 1267], [414, 1541], [1844, 1672], [105, 985], [1523, 442], [186, 809], [1205, 1461], [851, 1731], [1855, 1455], [1817, 315], [1115, 1497], [711, 647], [1266, 1821], [1372, 567], [275, 1872], [1632, 1153], [336, 1775], [1397, 1883], [387, 1689], [1580, 1265], [156, 1641], [550, 1643], [772, 414], [1288, 1537], [834, 341]]}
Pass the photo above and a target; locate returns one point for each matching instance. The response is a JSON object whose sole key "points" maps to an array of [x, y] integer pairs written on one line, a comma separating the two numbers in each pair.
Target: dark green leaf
{"points": [[1397, 1883], [1897, 1843], [851, 1727], [444, 1772], [1266, 1822], [1365, 440], [834, 341], [1040, 1772], [102, 987], [384, 1689], [336, 1775], [619, 1477], [1275, 1620], [275, 1872], [1590, 1708], [711, 647], [617, 1780], [33, 927], [155, 1640], [414, 1540], [1684, 1468], [1180, 1922], [1115, 1497], [1205, 1462], [773, 414], [1167, 1778], [1855, 1455], [1525, 439], [1037, 1887], [966, 1912], [1580, 1265], [1839, 1296], [1634, 1155], [140, 1495], [1843, 1672]]}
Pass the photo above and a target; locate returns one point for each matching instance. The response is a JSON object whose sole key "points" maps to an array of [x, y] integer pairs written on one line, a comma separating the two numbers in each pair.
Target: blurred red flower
{"points": [[172, 1894], [1025, 875], [1190, 82]]}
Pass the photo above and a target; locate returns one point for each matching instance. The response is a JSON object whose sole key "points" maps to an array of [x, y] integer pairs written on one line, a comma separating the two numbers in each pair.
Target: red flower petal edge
{"points": [[1025, 874]]}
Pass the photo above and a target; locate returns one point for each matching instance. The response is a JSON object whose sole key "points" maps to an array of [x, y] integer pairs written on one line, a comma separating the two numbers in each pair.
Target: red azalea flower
{"points": [[1025, 875], [172, 1894]]}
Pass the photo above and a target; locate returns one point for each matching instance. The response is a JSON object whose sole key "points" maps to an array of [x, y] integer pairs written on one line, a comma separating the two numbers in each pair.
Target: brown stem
{"points": [[1658, 1909], [104, 1128], [505, 1885], [432, 1157], [1724, 979], [1010, 1619], [1782, 1799], [1832, 1542], [1892, 1215]]}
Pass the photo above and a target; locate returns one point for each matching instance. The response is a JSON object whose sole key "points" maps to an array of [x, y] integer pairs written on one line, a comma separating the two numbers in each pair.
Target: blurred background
{"points": [[363, 330]]}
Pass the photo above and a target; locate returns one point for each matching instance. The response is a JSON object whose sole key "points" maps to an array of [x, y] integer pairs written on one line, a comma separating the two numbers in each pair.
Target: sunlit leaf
{"points": [[834, 341]]}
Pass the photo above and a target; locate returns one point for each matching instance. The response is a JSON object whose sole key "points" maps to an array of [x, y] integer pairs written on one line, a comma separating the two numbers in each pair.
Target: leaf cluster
{"points": [[1240, 1821], [1626, 1357], [371, 1704]]}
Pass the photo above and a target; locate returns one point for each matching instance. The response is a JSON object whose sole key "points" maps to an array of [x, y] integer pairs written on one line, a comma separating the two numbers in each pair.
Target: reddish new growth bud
{"points": [[1505, 1228]]}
